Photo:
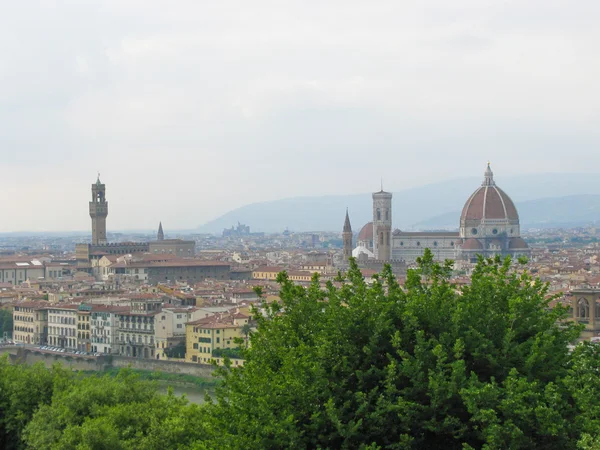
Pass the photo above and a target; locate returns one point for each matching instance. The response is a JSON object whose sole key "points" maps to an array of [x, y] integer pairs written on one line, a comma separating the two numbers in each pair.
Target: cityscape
{"points": [[300, 225], [92, 298]]}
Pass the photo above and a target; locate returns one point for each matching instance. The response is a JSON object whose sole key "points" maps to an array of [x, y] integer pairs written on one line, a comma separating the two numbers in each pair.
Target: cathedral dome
{"points": [[366, 233], [472, 244], [489, 202], [517, 243]]}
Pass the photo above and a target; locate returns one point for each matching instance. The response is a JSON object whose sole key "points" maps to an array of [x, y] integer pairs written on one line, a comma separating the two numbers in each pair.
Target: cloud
{"points": [[190, 109]]}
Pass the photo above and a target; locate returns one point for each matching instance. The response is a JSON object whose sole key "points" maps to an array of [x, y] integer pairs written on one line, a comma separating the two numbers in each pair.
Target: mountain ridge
{"points": [[412, 207]]}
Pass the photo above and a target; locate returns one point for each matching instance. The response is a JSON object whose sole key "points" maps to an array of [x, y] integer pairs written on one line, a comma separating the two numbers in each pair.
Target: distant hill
{"points": [[569, 211], [540, 198]]}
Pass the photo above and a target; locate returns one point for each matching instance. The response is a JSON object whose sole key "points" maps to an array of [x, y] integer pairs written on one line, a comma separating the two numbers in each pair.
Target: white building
{"points": [[104, 326], [170, 328], [136, 329], [62, 326], [16, 272]]}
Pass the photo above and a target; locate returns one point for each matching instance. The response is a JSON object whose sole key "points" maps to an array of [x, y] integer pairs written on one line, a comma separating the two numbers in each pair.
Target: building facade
{"points": [[219, 331], [170, 329], [177, 247], [84, 332], [30, 323], [16, 272], [104, 327], [136, 329], [171, 270], [62, 326]]}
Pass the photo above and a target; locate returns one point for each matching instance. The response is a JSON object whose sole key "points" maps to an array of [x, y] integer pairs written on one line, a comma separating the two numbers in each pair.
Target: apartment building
{"points": [[104, 328], [84, 327], [219, 331], [30, 323], [62, 326], [136, 329], [170, 329]]}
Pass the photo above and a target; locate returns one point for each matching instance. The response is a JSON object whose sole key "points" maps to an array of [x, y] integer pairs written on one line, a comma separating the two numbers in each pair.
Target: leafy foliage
{"points": [[428, 366], [177, 351], [22, 390], [6, 322], [111, 413], [228, 353]]}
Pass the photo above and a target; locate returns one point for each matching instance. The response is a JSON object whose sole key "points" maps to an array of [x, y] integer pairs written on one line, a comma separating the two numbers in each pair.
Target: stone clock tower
{"points": [[98, 212], [382, 225]]}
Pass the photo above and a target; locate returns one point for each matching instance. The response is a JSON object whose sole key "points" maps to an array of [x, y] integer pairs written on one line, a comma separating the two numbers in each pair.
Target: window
{"points": [[435, 243], [179, 325], [473, 230], [584, 308], [218, 340], [418, 244], [378, 214], [495, 231]]}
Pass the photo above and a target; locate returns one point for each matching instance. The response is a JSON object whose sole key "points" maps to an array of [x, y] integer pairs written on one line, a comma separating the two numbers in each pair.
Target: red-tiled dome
{"points": [[472, 244], [489, 202], [517, 243], [366, 232]]}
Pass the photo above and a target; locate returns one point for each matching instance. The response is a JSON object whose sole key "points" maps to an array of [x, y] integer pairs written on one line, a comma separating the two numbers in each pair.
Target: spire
{"points": [[98, 179], [347, 227], [160, 235], [488, 179]]}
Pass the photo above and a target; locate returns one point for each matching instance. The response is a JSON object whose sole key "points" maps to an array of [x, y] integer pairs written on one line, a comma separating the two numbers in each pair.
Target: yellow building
{"points": [[266, 273], [30, 323], [84, 313], [299, 275], [208, 334], [270, 274]]}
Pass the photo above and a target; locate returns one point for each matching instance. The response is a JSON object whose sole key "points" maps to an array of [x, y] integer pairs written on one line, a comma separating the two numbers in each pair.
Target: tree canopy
{"points": [[426, 365], [430, 365]]}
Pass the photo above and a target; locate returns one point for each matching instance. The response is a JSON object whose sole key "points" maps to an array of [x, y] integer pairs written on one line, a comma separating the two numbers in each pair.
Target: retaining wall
{"points": [[155, 365], [24, 355]]}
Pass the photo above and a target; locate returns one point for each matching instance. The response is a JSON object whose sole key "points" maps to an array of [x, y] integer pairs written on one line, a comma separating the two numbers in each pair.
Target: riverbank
{"points": [[194, 388], [162, 377]]}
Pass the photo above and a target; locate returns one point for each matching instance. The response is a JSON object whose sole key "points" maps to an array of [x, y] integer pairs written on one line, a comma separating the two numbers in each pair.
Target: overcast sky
{"points": [[191, 108]]}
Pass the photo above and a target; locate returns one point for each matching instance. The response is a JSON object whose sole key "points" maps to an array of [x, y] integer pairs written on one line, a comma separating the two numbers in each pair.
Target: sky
{"points": [[189, 109]]}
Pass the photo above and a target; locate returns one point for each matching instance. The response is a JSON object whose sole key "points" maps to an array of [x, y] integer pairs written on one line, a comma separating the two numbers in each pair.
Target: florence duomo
{"points": [[488, 226]]}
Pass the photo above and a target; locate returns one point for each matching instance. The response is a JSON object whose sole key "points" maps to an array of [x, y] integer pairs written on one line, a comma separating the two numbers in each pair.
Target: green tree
{"points": [[6, 322], [177, 351], [23, 389], [428, 366], [246, 329]]}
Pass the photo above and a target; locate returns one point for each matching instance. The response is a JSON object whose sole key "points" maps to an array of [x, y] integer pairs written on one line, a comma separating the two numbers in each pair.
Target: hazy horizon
{"points": [[190, 110]]}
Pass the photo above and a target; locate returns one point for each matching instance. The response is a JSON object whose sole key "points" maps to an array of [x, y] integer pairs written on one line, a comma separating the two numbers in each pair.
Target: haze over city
{"points": [[191, 109]]}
